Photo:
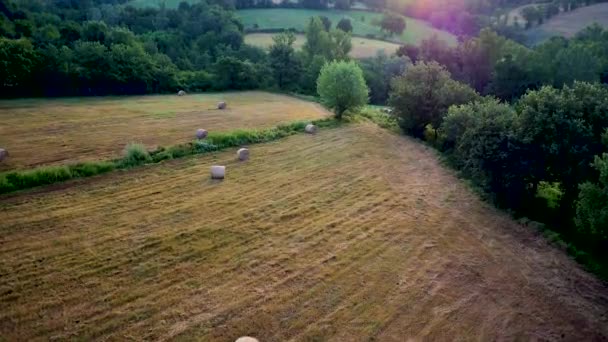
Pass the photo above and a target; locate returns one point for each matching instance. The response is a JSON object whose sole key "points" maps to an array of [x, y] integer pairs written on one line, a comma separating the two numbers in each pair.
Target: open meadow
{"points": [[57, 131], [352, 234], [281, 18], [362, 47]]}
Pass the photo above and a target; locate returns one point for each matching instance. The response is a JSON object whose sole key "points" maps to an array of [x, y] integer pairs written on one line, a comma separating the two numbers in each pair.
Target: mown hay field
{"points": [[362, 47], [353, 234], [363, 23], [57, 131], [569, 23]]}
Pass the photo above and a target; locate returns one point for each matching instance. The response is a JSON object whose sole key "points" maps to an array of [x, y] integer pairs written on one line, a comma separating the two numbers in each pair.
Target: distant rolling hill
{"points": [[362, 21]]}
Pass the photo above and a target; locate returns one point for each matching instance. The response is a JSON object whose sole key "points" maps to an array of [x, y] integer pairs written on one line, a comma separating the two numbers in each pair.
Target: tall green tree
{"points": [[283, 60], [18, 61], [341, 87], [318, 41], [345, 25], [481, 139], [563, 128]]}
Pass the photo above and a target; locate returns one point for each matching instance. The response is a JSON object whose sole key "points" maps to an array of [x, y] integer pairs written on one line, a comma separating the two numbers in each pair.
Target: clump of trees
{"points": [[392, 24], [495, 65], [552, 137], [422, 95]]}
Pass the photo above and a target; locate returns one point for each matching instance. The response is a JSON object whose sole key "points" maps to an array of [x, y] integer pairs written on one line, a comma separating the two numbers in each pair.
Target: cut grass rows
{"points": [[353, 233], [42, 132]]}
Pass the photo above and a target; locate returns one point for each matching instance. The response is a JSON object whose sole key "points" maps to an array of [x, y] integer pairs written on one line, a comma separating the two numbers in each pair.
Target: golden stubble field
{"points": [[354, 234], [58, 131]]}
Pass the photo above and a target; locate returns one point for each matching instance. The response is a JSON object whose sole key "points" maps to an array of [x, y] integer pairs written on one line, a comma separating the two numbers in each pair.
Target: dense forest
{"points": [[79, 47]]}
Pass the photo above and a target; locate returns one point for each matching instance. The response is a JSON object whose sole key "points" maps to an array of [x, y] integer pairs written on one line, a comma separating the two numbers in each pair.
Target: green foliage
{"points": [[135, 154], [284, 62], [17, 62], [345, 25], [379, 71], [392, 23], [481, 141], [422, 96], [334, 44], [380, 118], [540, 158], [592, 204], [233, 73], [48, 48], [564, 131], [341, 87]]}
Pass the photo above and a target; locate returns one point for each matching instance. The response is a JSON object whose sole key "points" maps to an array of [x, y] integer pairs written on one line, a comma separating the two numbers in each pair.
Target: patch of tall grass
{"points": [[137, 154], [384, 120]]}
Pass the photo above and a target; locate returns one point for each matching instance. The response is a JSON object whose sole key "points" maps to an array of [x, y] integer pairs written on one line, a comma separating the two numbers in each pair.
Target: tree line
{"points": [[529, 127], [494, 65], [64, 47]]}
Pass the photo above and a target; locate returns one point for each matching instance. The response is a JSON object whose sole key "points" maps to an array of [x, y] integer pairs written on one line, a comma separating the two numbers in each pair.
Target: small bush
{"points": [[90, 169], [381, 119], [135, 154], [203, 147]]}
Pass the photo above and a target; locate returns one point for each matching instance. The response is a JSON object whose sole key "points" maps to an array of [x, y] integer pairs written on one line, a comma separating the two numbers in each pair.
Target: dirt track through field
{"points": [[350, 235], [57, 131]]}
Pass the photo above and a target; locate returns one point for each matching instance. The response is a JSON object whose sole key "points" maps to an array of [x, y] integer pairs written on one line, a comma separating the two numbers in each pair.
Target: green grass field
{"points": [[362, 47], [281, 18]]}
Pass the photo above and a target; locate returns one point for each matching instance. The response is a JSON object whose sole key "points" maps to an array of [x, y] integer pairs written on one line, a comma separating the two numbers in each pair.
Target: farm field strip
{"points": [[362, 47], [567, 24], [60, 131], [351, 234], [281, 18]]}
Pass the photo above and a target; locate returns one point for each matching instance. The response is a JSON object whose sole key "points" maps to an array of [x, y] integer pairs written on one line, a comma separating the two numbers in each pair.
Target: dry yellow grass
{"points": [[353, 234], [42, 131], [362, 47]]}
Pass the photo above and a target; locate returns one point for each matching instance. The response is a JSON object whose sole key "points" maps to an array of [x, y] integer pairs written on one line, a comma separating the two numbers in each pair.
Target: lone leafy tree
{"points": [[392, 23], [345, 25], [342, 87]]}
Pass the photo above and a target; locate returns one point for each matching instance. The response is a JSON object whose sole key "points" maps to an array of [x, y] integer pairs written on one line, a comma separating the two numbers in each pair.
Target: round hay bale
{"points": [[243, 154], [201, 133], [3, 154], [221, 105], [246, 339], [218, 172], [181, 93], [311, 129]]}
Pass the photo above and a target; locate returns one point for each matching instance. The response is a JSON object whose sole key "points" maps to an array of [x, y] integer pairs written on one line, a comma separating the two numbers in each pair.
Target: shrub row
{"points": [[136, 154]]}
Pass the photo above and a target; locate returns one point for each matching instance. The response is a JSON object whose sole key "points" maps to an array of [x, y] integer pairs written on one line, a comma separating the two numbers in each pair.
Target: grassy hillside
{"points": [[280, 18], [350, 234], [362, 47], [568, 24], [57, 131], [157, 3]]}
